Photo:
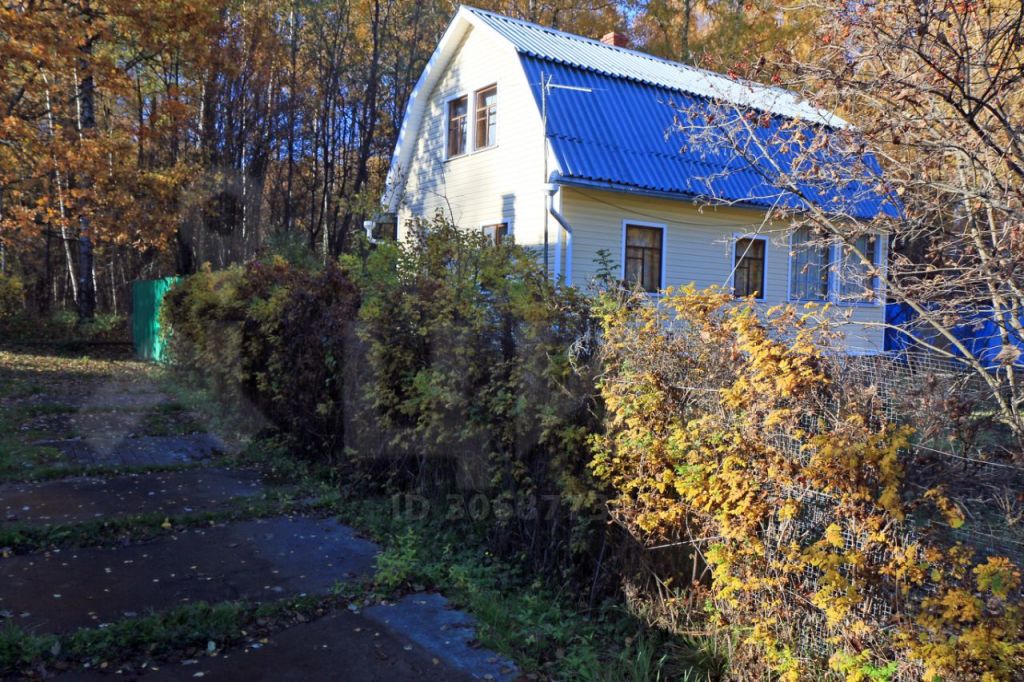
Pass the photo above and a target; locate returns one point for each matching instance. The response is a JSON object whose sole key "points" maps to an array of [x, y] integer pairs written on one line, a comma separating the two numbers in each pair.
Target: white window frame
{"points": [[507, 220], [829, 286], [470, 95], [835, 253], [446, 113], [626, 222], [497, 116], [881, 259], [736, 236]]}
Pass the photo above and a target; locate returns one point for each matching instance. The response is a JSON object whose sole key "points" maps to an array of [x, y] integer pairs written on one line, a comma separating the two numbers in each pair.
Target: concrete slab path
{"points": [[254, 560], [138, 452], [447, 633], [77, 500], [112, 413]]}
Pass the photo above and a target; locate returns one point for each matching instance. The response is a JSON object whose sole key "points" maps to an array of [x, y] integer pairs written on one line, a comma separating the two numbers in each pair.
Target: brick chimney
{"points": [[616, 39]]}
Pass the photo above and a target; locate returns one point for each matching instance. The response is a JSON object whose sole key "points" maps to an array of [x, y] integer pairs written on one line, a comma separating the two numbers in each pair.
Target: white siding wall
{"points": [[493, 184], [698, 248], [505, 183]]}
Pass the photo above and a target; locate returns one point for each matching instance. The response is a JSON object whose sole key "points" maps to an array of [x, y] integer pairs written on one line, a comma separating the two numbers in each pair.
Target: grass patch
{"points": [[16, 390], [22, 474], [185, 630], [19, 458], [22, 538], [169, 423], [65, 329], [546, 632]]}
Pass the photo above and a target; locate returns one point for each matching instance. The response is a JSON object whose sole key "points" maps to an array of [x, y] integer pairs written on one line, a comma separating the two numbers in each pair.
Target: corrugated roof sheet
{"points": [[572, 50], [630, 130], [625, 133]]}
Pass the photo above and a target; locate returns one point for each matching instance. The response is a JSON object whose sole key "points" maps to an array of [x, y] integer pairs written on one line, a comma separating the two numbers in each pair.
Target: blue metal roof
{"points": [[626, 133]]}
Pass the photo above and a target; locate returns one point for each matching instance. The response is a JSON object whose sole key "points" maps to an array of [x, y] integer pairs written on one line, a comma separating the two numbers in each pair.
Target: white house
{"points": [[571, 146]]}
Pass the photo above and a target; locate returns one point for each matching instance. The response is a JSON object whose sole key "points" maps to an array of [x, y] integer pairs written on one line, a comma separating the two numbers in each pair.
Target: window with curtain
{"points": [[808, 268], [856, 283], [487, 117], [457, 110], [748, 269], [643, 257]]}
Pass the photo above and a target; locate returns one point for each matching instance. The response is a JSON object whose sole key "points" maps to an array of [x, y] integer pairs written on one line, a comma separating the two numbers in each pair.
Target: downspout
{"points": [[553, 188], [368, 226]]}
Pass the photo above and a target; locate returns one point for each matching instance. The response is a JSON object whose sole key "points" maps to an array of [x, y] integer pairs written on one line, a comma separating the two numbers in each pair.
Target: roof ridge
{"points": [[642, 67], [637, 53], [592, 41]]}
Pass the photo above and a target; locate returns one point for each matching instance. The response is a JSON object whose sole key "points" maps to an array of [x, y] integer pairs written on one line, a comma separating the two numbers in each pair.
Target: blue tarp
{"points": [[980, 331]]}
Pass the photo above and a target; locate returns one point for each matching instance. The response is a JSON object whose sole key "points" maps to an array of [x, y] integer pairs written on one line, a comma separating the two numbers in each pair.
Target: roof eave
{"points": [[585, 183]]}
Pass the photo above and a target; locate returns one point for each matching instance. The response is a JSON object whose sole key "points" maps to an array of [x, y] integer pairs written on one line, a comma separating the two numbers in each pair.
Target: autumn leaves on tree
{"points": [[143, 139]]}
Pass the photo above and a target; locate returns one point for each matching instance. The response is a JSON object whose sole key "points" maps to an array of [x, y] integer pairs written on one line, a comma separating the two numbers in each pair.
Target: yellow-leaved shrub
{"points": [[731, 427]]}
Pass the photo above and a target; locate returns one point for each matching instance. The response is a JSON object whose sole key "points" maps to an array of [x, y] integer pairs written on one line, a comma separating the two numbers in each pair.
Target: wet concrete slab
{"points": [[76, 500], [340, 646], [253, 560], [112, 424], [142, 451], [429, 621], [102, 396]]}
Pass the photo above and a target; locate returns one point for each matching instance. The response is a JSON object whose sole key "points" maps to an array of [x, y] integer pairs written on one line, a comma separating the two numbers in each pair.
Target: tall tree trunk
{"points": [[44, 300], [3, 247], [62, 211], [684, 55], [291, 120], [86, 126], [367, 128], [113, 285]]}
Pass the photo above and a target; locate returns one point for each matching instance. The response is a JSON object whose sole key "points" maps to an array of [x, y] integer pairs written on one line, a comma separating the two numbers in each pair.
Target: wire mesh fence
{"points": [[921, 391], [966, 455]]}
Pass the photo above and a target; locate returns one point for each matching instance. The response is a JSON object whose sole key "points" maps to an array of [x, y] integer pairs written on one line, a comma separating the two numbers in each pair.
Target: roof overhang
{"points": [[583, 183]]}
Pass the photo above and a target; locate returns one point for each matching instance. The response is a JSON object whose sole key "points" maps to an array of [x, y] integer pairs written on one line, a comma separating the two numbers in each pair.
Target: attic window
{"points": [[457, 110], [487, 117]]}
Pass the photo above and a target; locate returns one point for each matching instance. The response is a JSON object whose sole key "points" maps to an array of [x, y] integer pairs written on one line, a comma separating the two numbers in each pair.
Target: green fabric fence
{"points": [[147, 296]]}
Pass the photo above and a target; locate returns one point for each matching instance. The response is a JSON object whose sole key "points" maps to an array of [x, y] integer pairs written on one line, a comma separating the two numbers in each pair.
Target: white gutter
{"points": [[553, 190]]}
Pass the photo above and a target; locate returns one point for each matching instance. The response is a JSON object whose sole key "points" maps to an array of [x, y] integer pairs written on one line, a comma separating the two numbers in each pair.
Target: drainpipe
{"points": [[553, 188], [368, 226]]}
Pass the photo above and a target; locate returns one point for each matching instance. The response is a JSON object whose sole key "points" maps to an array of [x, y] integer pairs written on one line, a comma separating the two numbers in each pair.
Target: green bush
{"points": [[203, 315], [441, 367], [272, 336], [472, 392], [12, 296]]}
